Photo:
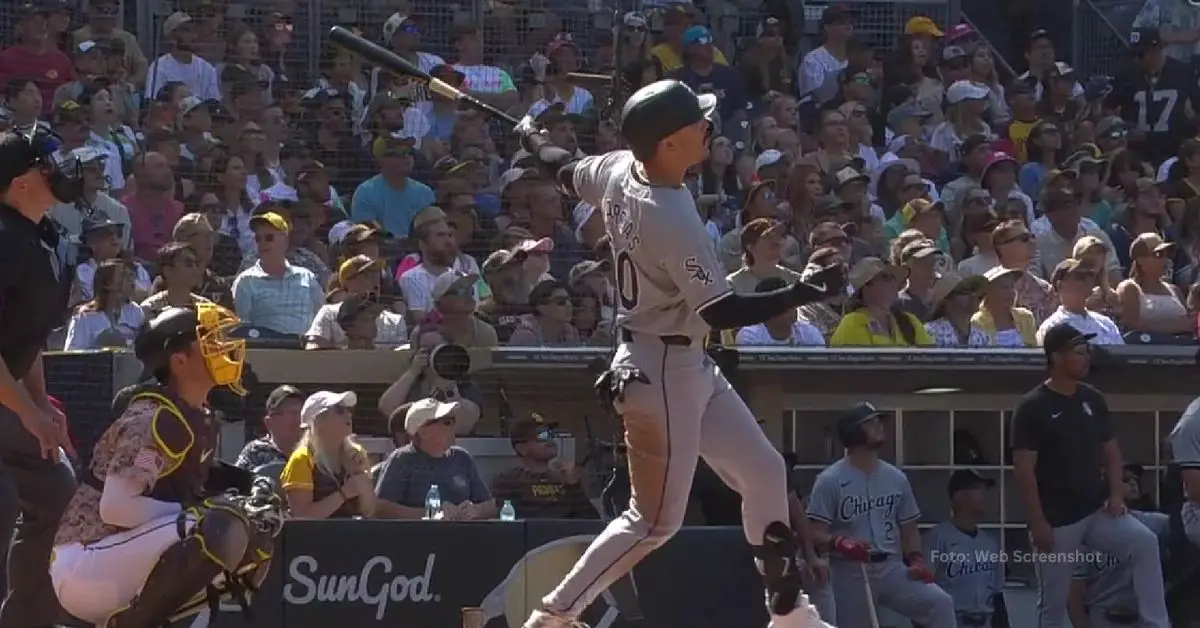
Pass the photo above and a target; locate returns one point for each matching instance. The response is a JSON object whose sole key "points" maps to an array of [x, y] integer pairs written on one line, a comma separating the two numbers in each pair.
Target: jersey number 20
{"points": [[627, 281], [1167, 98]]}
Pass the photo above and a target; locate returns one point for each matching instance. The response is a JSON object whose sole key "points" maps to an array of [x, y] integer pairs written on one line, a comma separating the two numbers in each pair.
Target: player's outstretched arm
{"points": [[740, 310], [557, 164]]}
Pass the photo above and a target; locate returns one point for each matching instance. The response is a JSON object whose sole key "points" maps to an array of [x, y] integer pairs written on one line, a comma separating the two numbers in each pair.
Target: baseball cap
{"points": [[544, 288], [897, 116], [921, 25], [531, 429], [1069, 268], [454, 283], [1060, 70], [633, 19], [585, 268], [447, 74], [543, 245], [358, 265], [971, 144], [696, 35], [347, 232], [270, 219], [950, 283], [512, 175], [966, 90], [395, 23], [560, 41], [868, 268], [659, 110], [1111, 127], [189, 225], [997, 157], [69, 110], [1147, 244], [1063, 336], [1145, 38], [97, 222], [958, 31], [425, 411], [829, 204], [1038, 33], [1085, 244], [997, 273], [847, 175], [499, 260], [428, 216], [88, 154], [770, 24], [758, 228], [86, 46], [174, 21], [324, 400], [192, 103], [950, 53], [836, 14], [280, 395], [964, 479], [918, 249], [766, 158]]}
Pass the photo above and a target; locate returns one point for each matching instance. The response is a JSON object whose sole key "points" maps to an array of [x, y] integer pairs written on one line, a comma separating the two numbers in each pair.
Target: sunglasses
{"points": [[1024, 237]]}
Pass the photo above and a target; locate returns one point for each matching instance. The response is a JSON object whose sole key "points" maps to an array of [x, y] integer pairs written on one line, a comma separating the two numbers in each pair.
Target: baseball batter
{"points": [[864, 510], [1185, 455], [675, 403], [1102, 594], [966, 561]]}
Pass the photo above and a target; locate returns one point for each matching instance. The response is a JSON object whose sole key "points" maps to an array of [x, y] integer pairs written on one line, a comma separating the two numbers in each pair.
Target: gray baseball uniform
{"points": [[1185, 454], [969, 567], [1108, 581], [666, 270], [871, 507]]}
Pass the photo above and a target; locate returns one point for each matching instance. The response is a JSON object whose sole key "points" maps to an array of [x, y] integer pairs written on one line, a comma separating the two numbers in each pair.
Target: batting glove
{"points": [[854, 550]]}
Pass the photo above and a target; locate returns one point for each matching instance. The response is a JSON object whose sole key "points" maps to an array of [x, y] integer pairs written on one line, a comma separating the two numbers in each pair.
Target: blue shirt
{"points": [[375, 200], [1030, 178], [723, 82]]}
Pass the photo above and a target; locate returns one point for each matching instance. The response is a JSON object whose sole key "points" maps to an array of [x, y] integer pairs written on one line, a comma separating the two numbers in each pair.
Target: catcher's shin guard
{"points": [[776, 559]]}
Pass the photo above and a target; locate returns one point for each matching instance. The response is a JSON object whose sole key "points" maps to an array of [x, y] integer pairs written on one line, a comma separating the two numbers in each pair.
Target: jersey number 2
{"points": [[627, 281], [1168, 98]]}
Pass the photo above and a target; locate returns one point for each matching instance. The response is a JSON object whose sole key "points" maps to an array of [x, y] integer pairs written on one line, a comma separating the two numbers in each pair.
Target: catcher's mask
{"points": [[63, 176], [205, 324]]}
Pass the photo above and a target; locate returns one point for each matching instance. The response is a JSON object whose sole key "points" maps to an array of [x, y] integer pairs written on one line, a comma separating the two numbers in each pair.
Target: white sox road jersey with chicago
{"points": [[969, 567], [667, 269], [1185, 454], [871, 507], [1107, 581]]}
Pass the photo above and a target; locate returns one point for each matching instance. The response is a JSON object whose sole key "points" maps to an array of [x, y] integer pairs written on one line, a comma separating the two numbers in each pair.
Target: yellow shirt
{"points": [[1019, 132], [302, 472], [670, 60], [1022, 319], [858, 329]]}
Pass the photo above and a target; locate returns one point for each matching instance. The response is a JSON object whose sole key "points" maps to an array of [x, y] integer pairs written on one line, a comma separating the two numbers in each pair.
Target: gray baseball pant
{"points": [[36, 490], [687, 410], [1124, 538]]}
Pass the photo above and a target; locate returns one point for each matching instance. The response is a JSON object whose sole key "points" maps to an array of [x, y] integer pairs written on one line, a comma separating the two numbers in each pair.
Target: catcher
{"points": [[157, 530]]}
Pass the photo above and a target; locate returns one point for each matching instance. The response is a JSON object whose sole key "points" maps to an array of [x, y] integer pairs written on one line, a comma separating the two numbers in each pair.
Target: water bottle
{"points": [[508, 513], [433, 502]]}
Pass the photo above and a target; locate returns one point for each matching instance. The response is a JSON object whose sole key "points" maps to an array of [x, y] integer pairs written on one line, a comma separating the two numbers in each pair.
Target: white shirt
{"points": [[945, 335], [417, 282], [425, 63], [390, 330], [1165, 169], [945, 139], [581, 100], [199, 75], [804, 334], [818, 74], [1053, 248], [84, 329], [85, 275], [1076, 90], [1089, 322], [71, 217]]}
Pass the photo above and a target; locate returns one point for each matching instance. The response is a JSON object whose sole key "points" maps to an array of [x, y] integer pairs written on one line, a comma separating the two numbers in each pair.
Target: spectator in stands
{"points": [[93, 199], [1074, 283], [873, 314], [549, 324], [1149, 303], [562, 57], [34, 54], [391, 198], [820, 68], [110, 135], [485, 82], [111, 318], [824, 315], [281, 420], [454, 300], [999, 316], [975, 152], [357, 277], [102, 236], [273, 294], [1145, 213], [762, 241], [1061, 226], [195, 126], [1091, 252], [437, 253], [509, 299], [977, 233], [102, 19], [1015, 250], [955, 299], [432, 458], [180, 275], [181, 63], [242, 49], [677, 18], [305, 249], [760, 203], [767, 66], [787, 329], [999, 179], [403, 36], [88, 60], [1045, 150], [230, 181], [967, 101], [546, 223], [542, 485], [701, 72], [921, 258], [152, 205], [23, 100], [327, 473], [357, 318], [194, 230]]}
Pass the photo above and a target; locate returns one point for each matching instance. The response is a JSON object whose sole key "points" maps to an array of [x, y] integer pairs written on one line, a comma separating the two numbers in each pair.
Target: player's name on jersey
{"points": [[977, 559]]}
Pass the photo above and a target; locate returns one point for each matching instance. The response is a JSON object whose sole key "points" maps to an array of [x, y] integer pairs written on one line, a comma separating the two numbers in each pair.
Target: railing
{"points": [[1100, 36]]}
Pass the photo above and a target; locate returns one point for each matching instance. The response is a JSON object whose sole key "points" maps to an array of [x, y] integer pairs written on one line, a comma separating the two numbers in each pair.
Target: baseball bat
{"points": [[394, 63], [870, 596]]}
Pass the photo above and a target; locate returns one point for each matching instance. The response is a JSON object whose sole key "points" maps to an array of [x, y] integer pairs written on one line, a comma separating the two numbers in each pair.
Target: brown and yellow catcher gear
{"points": [[205, 324]]}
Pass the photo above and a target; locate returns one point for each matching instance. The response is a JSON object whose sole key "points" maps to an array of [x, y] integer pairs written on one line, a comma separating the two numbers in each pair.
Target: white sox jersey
{"points": [[666, 265], [1185, 454], [968, 566], [864, 507], [1108, 581]]}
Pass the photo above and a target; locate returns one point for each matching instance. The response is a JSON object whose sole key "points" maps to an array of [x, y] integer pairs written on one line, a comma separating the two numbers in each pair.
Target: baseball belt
{"points": [[1121, 617]]}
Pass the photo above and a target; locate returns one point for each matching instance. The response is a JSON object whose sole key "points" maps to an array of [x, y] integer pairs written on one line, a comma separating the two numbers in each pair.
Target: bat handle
{"points": [[450, 92]]}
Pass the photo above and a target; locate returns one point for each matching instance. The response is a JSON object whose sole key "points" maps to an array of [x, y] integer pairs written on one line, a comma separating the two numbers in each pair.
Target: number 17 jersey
{"points": [[1158, 105], [666, 266]]}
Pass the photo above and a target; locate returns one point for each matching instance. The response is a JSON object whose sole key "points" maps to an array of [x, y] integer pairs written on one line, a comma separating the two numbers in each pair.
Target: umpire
{"points": [[36, 480], [1063, 447]]}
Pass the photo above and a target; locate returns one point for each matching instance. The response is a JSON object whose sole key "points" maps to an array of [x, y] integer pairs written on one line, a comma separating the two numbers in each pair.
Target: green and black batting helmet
{"points": [[658, 110], [850, 425]]}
